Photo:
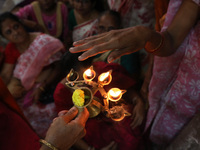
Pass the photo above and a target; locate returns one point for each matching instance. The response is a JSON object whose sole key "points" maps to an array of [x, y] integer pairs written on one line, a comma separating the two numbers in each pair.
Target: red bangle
{"points": [[159, 45]]}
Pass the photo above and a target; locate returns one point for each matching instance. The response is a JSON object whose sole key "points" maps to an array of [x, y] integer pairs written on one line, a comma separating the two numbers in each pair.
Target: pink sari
{"points": [[174, 96], [43, 51], [134, 12]]}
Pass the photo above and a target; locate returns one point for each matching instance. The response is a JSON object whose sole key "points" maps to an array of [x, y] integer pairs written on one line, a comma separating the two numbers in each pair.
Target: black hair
{"points": [[70, 60], [100, 5], [114, 14], [8, 15]]}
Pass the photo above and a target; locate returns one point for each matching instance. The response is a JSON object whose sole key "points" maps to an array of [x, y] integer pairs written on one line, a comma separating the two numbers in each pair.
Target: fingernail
{"points": [[80, 58], [110, 59], [71, 49], [75, 43]]}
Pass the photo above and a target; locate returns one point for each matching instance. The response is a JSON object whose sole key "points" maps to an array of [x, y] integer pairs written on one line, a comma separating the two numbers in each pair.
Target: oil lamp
{"points": [[89, 74], [95, 105], [115, 94], [105, 78]]}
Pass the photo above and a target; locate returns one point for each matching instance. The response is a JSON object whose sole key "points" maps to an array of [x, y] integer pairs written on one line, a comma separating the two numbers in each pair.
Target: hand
{"points": [[121, 42], [65, 130], [111, 146], [138, 113], [36, 94]]}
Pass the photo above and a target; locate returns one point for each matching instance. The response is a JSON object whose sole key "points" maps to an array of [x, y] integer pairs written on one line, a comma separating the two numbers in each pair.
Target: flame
{"points": [[103, 76], [88, 72], [115, 93]]}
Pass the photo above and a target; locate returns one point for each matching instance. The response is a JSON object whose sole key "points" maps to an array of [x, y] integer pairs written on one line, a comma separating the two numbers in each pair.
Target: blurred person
{"points": [[30, 69]]}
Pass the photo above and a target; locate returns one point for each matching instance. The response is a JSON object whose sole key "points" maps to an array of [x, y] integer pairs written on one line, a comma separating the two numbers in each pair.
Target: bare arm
{"points": [[6, 72], [186, 17]]}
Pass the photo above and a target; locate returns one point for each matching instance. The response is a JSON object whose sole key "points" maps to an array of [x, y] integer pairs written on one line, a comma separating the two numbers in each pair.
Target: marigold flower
{"points": [[78, 97]]}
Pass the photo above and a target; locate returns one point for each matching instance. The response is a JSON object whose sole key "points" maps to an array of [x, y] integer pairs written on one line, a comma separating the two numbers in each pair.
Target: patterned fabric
{"points": [[43, 51], [84, 30], [134, 12], [50, 21], [174, 95]]}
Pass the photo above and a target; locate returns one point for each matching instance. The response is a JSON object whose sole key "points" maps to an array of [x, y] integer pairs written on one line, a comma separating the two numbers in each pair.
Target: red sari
{"points": [[15, 132]]}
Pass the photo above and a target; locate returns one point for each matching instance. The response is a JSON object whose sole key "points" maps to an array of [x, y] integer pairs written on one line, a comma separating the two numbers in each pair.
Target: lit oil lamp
{"points": [[105, 78], [72, 76], [115, 94], [89, 74]]}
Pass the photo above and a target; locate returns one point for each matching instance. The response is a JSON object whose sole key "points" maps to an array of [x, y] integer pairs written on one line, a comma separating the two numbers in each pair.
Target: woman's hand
{"points": [[67, 129], [138, 113], [121, 42]]}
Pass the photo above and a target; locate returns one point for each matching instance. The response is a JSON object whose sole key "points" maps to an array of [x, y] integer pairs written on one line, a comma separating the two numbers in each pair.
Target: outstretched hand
{"points": [[67, 128], [121, 42]]}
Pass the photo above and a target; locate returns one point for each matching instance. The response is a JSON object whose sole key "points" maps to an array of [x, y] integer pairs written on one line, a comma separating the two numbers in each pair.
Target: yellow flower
{"points": [[78, 97]]}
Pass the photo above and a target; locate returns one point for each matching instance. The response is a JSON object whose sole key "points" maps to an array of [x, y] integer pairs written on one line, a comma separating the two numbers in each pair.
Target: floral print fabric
{"points": [[174, 95]]}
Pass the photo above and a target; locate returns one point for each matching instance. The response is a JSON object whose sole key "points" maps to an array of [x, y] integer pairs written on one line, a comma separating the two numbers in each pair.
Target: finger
{"points": [[89, 44], [82, 116], [80, 42], [71, 114], [62, 113], [97, 49], [55, 119], [134, 122], [117, 53]]}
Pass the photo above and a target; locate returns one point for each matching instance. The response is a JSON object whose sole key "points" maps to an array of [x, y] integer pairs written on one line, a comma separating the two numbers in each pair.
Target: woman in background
{"points": [[83, 18], [30, 69]]}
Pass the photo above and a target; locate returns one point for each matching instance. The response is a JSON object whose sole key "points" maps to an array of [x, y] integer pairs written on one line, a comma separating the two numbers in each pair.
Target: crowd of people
{"points": [[152, 45]]}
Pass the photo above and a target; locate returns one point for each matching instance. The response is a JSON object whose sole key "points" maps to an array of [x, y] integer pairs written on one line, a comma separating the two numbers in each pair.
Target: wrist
{"points": [[46, 145]]}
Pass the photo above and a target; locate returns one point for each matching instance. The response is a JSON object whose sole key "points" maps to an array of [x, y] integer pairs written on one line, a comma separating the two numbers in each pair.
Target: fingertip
{"points": [[62, 113], [71, 49], [81, 58]]}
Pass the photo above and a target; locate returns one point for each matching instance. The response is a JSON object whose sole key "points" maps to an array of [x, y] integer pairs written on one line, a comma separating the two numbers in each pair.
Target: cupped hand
{"points": [[67, 128], [120, 42], [138, 113]]}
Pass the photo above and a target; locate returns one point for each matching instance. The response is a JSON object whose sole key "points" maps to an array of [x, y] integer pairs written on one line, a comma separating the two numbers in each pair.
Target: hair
{"points": [[8, 15], [99, 5], [70, 60], [116, 15]]}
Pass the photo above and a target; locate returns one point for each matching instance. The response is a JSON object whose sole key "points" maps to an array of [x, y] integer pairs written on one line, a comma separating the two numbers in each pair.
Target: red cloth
{"points": [[11, 53], [15, 132], [101, 130]]}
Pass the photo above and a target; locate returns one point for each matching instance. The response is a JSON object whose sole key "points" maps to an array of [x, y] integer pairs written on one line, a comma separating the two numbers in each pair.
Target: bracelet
{"points": [[48, 144], [42, 89], [159, 45]]}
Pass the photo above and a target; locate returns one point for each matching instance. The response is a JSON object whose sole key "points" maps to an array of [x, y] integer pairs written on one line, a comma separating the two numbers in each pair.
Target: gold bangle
{"points": [[48, 144], [159, 45], [42, 89]]}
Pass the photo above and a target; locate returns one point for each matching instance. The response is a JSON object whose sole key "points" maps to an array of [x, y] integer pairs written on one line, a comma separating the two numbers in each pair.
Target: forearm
{"points": [[176, 32]]}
